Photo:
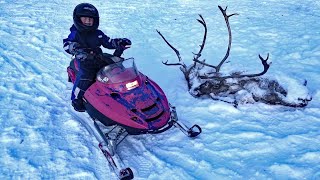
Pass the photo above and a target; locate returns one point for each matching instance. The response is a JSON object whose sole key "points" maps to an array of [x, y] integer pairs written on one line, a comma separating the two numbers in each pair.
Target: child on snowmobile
{"points": [[84, 43]]}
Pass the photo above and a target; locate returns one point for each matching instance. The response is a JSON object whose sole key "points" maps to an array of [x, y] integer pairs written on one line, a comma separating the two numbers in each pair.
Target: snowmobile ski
{"points": [[122, 174], [194, 131]]}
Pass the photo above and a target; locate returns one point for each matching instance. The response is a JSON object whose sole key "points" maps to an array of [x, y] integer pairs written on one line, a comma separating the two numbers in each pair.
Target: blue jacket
{"points": [[89, 40]]}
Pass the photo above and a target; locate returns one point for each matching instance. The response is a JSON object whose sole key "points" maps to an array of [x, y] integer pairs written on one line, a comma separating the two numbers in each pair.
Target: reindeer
{"points": [[234, 88]]}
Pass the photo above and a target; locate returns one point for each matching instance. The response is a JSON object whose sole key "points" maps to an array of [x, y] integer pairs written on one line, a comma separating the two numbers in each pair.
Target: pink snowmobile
{"points": [[123, 101]]}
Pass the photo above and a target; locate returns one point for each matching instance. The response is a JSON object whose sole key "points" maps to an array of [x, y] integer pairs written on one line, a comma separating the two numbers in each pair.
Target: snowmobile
{"points": [[123, 101]]}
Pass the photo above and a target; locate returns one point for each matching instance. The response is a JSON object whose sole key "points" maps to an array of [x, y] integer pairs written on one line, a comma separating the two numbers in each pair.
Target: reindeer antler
{"points": [[265, 69], [186, 71], [175, 50], [217, 68], [226, 18], [203, 22]]}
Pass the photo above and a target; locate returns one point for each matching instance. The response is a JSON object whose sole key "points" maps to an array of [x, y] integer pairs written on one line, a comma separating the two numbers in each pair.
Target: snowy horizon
{"points": [[42, 137]]}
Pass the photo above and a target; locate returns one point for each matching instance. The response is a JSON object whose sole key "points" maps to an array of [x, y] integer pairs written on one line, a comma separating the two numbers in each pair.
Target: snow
{"points": [[42, 137]]}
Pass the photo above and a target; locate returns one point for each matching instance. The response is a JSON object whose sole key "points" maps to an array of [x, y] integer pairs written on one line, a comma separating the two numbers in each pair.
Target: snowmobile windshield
{"points": [[118, 72]]}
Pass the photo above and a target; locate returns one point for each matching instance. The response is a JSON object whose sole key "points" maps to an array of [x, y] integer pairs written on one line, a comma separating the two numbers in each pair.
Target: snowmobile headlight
{"points": [[103, 80], [132, 85]]}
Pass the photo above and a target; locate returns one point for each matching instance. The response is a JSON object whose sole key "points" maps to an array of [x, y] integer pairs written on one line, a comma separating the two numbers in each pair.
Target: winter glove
{"points": [[73, 46], [122, 43], [81, 55], [126, 43]]}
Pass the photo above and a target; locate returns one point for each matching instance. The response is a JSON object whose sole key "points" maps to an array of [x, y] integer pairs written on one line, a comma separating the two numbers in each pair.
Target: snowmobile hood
{"points": [[125, 96], [143, 107]]}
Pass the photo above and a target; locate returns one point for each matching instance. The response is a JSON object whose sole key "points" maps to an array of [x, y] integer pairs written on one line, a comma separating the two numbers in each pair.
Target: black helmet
{"points": [[85, 10]]}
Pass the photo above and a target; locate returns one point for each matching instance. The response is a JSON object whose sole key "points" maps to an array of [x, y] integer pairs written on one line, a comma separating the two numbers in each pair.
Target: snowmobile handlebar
{"points": [[95, 51]]}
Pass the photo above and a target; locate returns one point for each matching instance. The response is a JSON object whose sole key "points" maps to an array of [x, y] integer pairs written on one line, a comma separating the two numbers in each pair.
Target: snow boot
{"points": [[78, 105]]}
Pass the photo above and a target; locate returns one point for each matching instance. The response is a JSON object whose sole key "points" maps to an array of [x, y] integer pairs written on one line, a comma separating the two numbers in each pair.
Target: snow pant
{"points": [[86, 75]]}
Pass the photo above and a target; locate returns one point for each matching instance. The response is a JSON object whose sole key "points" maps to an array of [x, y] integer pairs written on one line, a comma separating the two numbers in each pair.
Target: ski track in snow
{"points": [[42, 137]]}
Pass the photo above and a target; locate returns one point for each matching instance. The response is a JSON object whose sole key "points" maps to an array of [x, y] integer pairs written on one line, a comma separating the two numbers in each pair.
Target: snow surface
{"points": [[42, 137]]}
